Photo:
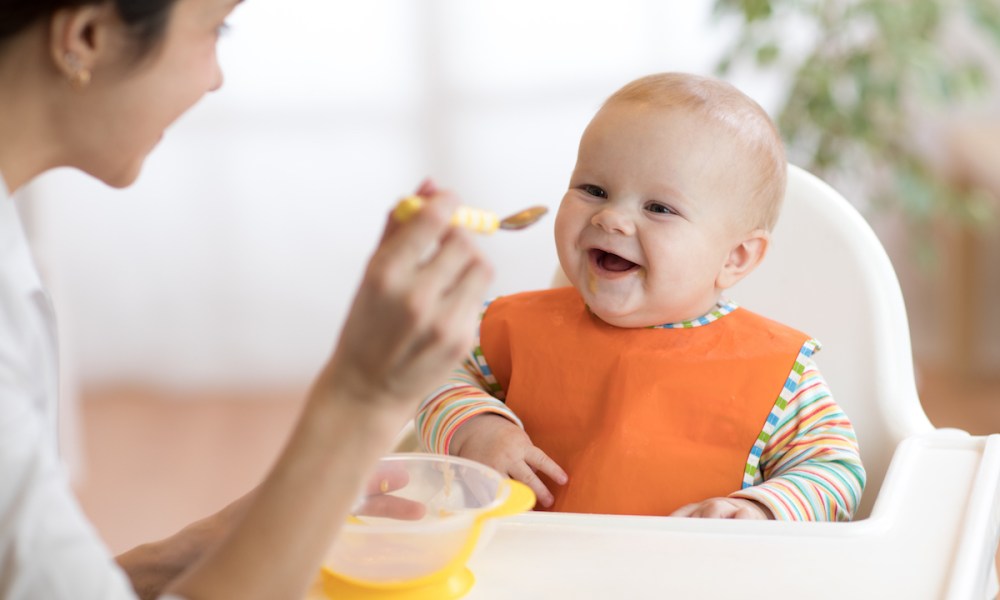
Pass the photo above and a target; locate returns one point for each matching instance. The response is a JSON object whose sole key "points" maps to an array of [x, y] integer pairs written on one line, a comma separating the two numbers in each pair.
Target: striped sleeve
{"points": [[810, 468], [471, 390]]}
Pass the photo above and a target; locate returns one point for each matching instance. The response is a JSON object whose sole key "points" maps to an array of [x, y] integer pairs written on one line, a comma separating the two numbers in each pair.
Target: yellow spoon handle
{"points": [[473, 219]]}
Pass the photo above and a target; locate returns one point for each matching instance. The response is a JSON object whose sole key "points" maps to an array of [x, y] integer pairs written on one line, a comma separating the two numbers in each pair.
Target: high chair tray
{"points": [[932, 534]]}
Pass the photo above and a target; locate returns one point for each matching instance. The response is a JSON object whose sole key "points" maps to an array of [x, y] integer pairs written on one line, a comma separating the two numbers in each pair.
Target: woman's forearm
{"points": [[409, 325], [152, 566], [300, 506]]}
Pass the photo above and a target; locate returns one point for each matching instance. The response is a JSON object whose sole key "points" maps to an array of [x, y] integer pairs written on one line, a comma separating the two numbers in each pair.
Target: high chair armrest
{"points": [[933, 534], [406, 439]]}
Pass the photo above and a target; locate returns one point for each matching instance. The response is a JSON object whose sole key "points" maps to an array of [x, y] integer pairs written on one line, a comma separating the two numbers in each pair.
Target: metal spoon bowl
{"points": [[523, 218]]}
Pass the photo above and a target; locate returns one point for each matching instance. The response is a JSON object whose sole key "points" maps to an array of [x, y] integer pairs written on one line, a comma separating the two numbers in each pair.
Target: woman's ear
{"points": [[78, 37], [743, 258]]}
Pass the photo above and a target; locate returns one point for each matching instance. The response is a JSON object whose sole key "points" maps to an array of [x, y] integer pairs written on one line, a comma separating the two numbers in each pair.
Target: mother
{"points": [[92, 84]]}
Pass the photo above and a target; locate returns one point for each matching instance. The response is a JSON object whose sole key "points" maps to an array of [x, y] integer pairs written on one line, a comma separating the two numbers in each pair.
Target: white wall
{"points": [[233, 260]]}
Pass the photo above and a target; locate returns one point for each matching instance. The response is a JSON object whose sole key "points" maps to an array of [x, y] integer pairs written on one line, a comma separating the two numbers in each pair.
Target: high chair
{"points": [[929, 522]]}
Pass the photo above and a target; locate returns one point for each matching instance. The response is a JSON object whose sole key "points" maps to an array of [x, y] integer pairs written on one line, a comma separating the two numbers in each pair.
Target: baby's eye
{"points": [[662, 209], [593, 190]]}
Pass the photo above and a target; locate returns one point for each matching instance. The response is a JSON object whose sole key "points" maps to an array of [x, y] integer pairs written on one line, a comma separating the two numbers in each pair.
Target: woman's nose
{"points": [[613, 220]]}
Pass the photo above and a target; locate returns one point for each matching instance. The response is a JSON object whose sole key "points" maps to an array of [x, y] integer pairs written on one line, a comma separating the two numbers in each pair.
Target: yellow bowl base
{"points": [[454, 586]]}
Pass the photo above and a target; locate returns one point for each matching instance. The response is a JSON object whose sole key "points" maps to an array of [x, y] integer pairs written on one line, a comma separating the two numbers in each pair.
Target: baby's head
{"points": [[678, 183]]}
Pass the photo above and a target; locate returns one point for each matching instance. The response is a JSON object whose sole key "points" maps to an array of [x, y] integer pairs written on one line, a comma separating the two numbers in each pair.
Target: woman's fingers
{"points": [[426, 189], [445, 297], [454, 255], [423, 232], [455, 281], [415, 311], [387, 478], [393, 507]]}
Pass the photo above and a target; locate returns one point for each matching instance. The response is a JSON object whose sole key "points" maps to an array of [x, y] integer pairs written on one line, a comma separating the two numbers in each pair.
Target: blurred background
{"points": [[196, 306]]}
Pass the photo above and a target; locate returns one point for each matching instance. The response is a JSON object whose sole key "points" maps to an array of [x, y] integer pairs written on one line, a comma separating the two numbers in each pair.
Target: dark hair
{"points": [[146, 19]]}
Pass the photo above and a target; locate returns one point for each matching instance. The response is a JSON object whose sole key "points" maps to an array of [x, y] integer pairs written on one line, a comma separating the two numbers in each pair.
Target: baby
{"points": [[641, 390]]}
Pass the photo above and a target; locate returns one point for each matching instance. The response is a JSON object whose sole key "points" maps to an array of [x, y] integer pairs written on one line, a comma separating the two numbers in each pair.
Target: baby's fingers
{"points": [[540, 461], [523, 473], [722, 508], [688, 510]]}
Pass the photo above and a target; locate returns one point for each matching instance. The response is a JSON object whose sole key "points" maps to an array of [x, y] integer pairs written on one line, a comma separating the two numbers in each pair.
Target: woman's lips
{"points": [[609, 264]]}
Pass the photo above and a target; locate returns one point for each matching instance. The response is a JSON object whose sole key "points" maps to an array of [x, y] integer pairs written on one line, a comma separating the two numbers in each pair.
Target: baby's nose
{"points": [[614, 220]]}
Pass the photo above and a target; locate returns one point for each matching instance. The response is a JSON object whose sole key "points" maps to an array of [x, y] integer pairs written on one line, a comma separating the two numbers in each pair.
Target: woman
{"points": [[92, 84]]}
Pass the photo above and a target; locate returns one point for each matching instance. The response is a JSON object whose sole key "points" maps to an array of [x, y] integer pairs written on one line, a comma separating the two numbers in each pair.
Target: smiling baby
{"points": [[641, 389]]}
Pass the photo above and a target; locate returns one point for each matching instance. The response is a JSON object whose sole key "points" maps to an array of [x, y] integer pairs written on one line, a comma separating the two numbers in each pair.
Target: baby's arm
{"points": [[467, 394], [810, 469], [463, 419]]}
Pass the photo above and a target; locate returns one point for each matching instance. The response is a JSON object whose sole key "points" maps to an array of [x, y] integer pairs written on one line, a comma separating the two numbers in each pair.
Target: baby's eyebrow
{"points": [[667, 193]]}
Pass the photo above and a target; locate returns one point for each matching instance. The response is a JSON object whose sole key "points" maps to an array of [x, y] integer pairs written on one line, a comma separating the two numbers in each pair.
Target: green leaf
{"points": [[757, 10], [876, 63], [986, 14], [767, 54]]}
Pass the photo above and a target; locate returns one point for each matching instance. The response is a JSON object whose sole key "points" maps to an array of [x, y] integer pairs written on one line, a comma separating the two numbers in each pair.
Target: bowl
{"points": [[416, 526]]}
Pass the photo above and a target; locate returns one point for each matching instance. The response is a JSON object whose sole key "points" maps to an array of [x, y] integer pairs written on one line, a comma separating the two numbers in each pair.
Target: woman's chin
{"points": [[123, 177]]}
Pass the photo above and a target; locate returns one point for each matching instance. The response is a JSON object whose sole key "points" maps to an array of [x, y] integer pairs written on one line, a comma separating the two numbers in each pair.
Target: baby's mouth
{"points": [[611, 262]]}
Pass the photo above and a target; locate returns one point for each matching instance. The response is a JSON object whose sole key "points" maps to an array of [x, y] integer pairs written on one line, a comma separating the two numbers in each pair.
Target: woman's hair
{"points": [[145, 19]]}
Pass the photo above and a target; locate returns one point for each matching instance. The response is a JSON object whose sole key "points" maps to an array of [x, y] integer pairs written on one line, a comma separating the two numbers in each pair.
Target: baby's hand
{"points": [[498, 443], [725, 508]]}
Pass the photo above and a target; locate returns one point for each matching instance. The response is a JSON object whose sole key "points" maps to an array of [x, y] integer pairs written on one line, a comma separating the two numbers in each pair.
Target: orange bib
{"points": [[644, 421]]}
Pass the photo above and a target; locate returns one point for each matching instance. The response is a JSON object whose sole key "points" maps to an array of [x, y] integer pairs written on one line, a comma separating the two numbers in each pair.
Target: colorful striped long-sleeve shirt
{"points": [[809, 470]]}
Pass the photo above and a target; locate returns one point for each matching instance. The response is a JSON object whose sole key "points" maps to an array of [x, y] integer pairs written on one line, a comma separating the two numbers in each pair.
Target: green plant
{"points": [[873, 72]]}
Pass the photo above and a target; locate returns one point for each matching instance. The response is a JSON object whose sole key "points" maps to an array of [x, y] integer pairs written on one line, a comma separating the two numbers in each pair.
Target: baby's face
{"points": [[651, 214]]}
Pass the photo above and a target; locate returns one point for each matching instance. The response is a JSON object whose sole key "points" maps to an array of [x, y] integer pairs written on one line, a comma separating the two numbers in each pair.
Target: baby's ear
{"points": [[743, 258]]}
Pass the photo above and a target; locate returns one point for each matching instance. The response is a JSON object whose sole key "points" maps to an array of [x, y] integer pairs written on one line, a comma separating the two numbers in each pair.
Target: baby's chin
{"points": [[627, 320], [637, 318]]}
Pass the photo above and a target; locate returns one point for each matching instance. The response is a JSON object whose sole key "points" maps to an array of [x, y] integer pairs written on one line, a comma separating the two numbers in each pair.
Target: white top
{"points": [[48, 549]]}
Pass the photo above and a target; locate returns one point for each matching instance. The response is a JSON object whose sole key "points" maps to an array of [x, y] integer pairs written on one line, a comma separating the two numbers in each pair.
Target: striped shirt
{"points": [[805, 466]]}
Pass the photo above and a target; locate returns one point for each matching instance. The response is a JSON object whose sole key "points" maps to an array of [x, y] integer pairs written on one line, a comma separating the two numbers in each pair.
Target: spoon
{"points": [[474, 219]]}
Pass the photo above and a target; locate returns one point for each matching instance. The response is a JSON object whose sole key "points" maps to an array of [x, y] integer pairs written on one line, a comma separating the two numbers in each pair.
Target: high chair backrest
{"points": [[827, 274]]}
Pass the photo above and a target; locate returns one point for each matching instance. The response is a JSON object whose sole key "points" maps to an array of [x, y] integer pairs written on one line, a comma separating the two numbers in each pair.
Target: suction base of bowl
{"points": [[454, 586]]}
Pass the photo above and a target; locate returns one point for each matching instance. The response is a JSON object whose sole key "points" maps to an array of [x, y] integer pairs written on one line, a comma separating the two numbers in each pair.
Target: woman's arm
{"points": [[153, 565], [409, 325]]}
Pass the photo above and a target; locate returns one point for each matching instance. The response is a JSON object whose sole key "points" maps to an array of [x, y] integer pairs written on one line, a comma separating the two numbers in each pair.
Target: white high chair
{"points": [[929, 522]]}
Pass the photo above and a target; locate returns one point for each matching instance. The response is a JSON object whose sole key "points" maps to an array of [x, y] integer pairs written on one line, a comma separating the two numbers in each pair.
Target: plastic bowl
{"points": [[421, 520]]}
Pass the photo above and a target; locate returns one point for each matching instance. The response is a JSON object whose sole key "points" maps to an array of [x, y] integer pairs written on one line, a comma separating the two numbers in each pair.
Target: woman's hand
{"points": [[412, 320], [414, 315], [379, 502]]}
